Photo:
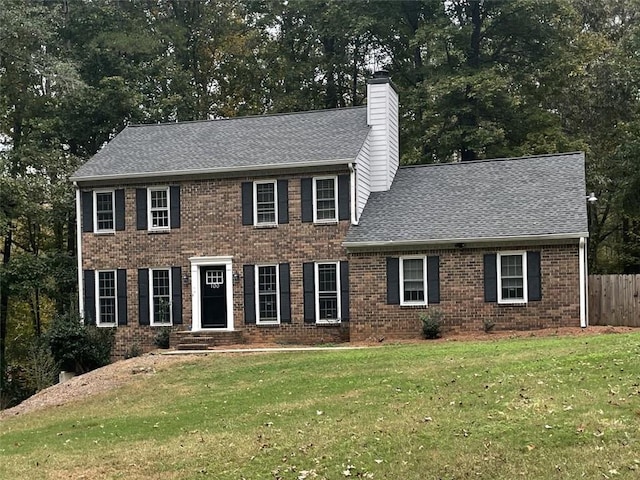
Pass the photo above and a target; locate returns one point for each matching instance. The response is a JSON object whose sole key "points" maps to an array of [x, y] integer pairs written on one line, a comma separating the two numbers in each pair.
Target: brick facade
{"points": [[211, 225], [462, 294]]}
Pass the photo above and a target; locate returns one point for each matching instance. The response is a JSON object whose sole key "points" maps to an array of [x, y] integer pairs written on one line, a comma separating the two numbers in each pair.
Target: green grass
{"points": [[529, 408]]}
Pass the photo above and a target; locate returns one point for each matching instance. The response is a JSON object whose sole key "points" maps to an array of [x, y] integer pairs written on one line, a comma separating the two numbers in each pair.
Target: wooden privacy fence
{"points": [[614, 300]]}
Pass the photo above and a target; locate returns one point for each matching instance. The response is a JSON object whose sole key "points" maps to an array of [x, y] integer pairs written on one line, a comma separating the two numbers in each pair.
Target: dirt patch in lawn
{"points": [[125, 371]]}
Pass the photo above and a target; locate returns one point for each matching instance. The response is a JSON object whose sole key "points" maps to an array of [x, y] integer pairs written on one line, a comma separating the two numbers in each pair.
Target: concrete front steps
{"points": [[204, 340]]}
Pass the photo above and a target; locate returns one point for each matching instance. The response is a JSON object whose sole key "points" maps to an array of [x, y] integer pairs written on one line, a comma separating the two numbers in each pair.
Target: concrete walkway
{"points": [[259, 350]]}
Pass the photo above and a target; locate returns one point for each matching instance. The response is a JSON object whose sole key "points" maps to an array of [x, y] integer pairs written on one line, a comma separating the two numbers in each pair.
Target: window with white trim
{"points": [[267, 294], [327, 283], [413, 281], [325, 199], [265, 202], [512, 277], [106, 294], [160, 284], [103, 211], [158, 204]]}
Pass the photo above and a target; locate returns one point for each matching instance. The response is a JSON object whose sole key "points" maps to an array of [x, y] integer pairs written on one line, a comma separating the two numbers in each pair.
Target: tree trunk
{"points": [[4, 311], [470, 118]]}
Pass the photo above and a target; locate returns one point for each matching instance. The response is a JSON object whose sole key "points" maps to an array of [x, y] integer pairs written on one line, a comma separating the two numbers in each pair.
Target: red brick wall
{"points": [[462, 294], [211, 225]]}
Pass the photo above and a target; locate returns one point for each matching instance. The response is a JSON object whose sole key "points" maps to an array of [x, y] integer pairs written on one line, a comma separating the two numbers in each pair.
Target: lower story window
{"points": [[413, 284], [267, 295], [512, 277], [106, 304], [327, 292], [161, 296]]}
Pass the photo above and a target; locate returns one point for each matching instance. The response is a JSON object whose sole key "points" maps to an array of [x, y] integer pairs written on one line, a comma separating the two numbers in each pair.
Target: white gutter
{"points": [[582, 260], [210, 171], [79, 253], [466, 241], [352, 188]]}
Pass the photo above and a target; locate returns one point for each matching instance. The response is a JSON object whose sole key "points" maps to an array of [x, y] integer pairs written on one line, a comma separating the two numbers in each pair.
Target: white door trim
{"points": [[196, 307]]}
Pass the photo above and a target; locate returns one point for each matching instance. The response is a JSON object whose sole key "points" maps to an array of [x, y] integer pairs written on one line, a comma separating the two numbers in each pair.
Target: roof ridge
{"points": [[245, 117], [489, 160]]}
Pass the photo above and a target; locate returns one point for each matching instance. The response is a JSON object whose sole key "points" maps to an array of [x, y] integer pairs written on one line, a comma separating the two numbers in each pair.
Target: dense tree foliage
{"points": [[476, 78]]}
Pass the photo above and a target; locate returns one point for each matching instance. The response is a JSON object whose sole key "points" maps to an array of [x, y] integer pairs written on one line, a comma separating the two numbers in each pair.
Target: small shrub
{"points": [[431, 324], [162, 336], [77, 347], [133, 351], [488, 325], [41, 369]]}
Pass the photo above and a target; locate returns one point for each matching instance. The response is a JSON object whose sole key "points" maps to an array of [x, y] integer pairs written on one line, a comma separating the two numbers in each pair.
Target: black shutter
{"points": [[393, 281], [344, 291], [174, 205], [306, 194], [247, 203], [141, 208], [283, 201], [176, 295], [285, 293], [308, 287], [89, 297], [121, 276], [143, 296], [119, 214], [344, 196], [490, 278], [249, 294], [433, 279], [87, 211], [534, 280]]}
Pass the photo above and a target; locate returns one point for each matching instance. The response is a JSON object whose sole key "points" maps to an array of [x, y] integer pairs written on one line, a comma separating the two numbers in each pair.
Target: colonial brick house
{"points": [[301, 228]]}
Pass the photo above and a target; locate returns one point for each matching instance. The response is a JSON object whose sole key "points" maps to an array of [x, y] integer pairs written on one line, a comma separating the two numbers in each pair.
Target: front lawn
{"points": [[558, 407]]}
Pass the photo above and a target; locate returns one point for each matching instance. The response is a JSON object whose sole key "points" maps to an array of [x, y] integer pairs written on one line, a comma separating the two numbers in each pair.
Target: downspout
{"points": [[352, 187], [582, 260], [79, 251]]}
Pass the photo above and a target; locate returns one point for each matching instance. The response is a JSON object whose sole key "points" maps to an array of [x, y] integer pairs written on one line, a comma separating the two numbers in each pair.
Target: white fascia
{"points": [[213, 171], [466, 241]]}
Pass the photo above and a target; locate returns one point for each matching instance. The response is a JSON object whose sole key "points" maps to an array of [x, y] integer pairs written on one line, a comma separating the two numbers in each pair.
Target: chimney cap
{"points": [[381, 77]]}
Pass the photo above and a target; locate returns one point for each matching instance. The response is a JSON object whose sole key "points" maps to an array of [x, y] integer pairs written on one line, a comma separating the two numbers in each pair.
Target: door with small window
{"points": [[213, 297]]}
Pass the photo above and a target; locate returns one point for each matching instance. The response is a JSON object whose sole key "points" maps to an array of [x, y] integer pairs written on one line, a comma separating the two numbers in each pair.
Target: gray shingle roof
{"points": [[236, 143], [520, 197]]}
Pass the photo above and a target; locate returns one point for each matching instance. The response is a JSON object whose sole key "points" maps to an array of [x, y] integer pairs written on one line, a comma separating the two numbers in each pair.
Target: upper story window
{"points": [[104, 208], [512, 277], [325, 199], [265, 202], [158, 208], [413, 280]]}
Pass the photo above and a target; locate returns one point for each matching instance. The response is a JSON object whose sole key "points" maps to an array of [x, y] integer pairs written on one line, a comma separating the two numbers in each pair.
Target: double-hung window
{"points": [[106, 294], [103, 201], [267, 294], [265, 203], [160, 296], [413, 280], [158, 203], [325, 199], [512, 277], [327, 283]]}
